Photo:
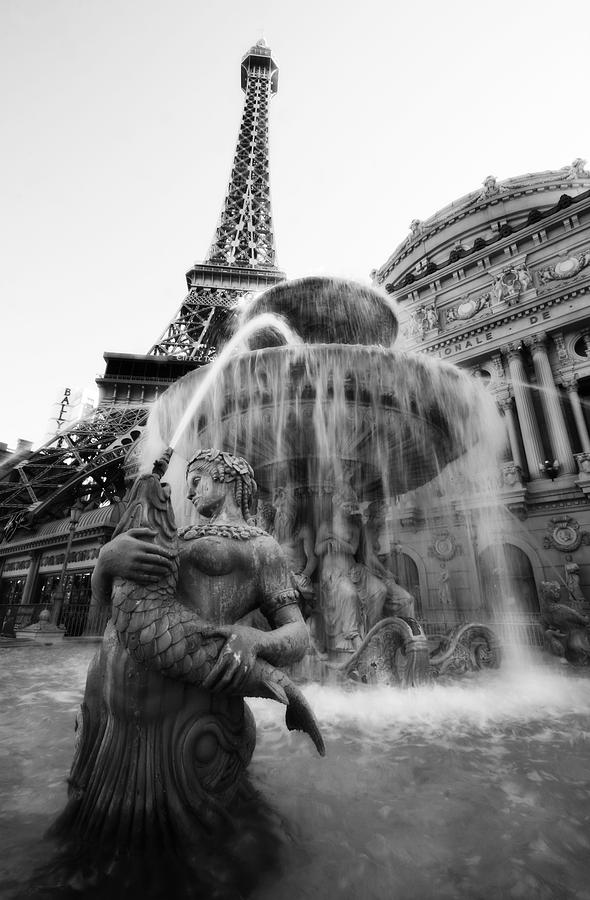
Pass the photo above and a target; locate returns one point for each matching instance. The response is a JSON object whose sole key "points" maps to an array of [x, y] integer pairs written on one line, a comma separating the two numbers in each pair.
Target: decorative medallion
{"points": [[568, 267], [444, 546], [469, 307], [565, 534]]}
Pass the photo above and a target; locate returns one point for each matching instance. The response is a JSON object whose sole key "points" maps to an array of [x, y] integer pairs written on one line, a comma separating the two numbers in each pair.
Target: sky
{"points": [[120, 119]]}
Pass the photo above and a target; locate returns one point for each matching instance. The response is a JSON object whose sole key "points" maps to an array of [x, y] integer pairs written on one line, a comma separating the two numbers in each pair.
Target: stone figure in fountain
{"points": [[572, 581], [352, 596], [296, 541], [165, 735], [567, 630]]}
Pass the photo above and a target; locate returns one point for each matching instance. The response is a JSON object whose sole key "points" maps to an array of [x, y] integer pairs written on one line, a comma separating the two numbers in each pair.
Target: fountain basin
{"points": [[387, 421]]}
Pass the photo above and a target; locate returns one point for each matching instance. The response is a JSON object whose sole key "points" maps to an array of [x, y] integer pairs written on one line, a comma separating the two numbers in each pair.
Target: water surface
{"points": [[478, 789]]}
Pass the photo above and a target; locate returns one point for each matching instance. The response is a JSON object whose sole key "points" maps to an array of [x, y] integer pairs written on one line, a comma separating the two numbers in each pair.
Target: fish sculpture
{"points": [[164, 635]]}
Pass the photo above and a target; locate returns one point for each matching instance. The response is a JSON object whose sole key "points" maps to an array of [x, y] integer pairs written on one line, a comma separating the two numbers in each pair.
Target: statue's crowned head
{"points": [[227, 469]]}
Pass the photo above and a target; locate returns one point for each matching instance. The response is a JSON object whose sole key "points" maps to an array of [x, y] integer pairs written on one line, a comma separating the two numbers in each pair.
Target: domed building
{"points": [[498, 282]]}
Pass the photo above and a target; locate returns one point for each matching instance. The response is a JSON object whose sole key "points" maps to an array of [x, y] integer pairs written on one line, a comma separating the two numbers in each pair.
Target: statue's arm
{"points": [[309, 550], [288, 639], [579, 618], [130, 555]]}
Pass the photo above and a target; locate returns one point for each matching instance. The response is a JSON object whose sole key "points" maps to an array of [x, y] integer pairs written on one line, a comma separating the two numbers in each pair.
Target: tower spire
{"points": [[241, 258]]}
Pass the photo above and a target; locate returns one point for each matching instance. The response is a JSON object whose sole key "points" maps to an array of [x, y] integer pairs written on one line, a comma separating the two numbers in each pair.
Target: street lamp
{"points": [[58, 593], [549, 468]]}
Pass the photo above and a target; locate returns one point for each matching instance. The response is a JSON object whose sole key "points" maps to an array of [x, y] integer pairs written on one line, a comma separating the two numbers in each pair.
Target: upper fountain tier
{"points": [[326, 311], [341, 405]]}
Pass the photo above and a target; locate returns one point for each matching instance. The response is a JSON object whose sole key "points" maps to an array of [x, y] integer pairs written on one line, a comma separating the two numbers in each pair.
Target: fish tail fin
{"points": [[300, 717], [299, 714]]}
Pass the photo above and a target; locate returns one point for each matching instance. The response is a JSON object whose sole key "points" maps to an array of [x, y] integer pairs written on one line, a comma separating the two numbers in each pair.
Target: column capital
{"points": [[513, 350], [570, 381], [536, 341]]}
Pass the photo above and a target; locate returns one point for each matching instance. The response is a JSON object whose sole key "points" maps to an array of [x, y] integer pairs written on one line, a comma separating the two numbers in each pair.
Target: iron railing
{"points": [[83, 620], [524, 629], [78, 619]]}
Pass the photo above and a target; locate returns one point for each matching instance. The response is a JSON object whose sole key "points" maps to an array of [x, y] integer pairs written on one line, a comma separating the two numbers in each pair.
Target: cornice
{"points": [[471, 258], [567, 178], [510, 314]]}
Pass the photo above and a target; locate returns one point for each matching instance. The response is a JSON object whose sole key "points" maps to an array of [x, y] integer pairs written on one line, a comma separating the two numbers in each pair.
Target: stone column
{"points": [[576, 404], [554, 418], [533, 446], [506, 406], [31, 582]]}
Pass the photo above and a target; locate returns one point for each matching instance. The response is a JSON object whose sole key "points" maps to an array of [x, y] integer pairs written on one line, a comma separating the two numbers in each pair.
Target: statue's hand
{"points": [[303, 584], [234, 663], [133, 555]]}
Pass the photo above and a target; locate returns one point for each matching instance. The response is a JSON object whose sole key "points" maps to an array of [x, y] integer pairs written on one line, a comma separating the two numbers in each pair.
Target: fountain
{"points": [[339, 423], [159, 800]]}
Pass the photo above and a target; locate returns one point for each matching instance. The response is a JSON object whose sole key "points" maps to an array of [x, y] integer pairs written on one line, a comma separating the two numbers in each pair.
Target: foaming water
{"points": [[471, 789], [489, 701]]}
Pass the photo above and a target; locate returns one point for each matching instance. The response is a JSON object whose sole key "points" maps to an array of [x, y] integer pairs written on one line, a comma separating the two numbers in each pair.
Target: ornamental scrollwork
{"points": [[565, 535]]}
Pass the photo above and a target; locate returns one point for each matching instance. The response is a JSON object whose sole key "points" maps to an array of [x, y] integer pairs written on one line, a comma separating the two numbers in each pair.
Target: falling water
{"points": [[236, 343], [310, 415], [346, 410]]}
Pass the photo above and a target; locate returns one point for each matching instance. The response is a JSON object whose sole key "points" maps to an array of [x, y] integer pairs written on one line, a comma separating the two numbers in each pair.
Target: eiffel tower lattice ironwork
{"points": [[85, 461], [242, 255]]}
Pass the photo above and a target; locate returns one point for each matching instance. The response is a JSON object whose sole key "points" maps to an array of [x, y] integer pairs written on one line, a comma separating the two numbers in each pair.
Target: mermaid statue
{"points": [[165, 736]]}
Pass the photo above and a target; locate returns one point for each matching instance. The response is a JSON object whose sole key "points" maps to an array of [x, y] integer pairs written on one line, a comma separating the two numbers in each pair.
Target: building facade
{"points": [[498, 283]]}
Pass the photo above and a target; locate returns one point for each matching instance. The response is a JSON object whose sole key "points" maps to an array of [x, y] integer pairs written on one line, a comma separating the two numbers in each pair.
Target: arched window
{"points": [[507, 580], [405, 572]]}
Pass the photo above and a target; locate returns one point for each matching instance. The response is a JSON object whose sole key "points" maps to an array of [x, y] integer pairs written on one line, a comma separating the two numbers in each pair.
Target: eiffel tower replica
{"points": [[84, 464]]}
